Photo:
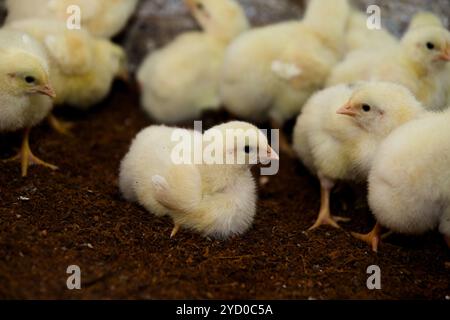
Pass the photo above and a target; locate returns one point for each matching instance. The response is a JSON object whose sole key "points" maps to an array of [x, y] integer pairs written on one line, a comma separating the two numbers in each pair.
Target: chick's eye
{"points": [[366, 107], [30, 79], [430, 46], [247, 149], [200, 6]]}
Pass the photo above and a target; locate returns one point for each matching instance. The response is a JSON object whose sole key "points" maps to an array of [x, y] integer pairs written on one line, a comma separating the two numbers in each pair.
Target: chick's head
{"points": [[428, 46], [240, 144], [380, 107], [23, 74], [225, 19]]}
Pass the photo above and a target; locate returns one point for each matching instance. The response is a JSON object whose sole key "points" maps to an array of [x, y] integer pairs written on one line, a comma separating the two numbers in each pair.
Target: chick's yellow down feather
{"points": [[104, 18], [181, 80], [82, 67], [340, 129], [417, 62], [25, 91], [270, 72]]}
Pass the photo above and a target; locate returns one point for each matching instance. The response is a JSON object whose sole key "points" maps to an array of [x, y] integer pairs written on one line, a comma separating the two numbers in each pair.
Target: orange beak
{"points": [[46, 90], [190, 4], [445, 55], [347, 110]]}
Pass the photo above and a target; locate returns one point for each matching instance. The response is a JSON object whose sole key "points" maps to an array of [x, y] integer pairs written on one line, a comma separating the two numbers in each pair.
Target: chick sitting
{"points": [[82, 67], [340, 129], [409, 184], [104, 18], [25, 91], [417, 62], [211, 196], [181, 80]]}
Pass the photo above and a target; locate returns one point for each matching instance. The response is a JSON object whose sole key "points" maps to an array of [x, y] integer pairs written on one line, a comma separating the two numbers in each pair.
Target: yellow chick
{"points": [[270, 72], [197, 179], [340, 129], [82, 67], [409, 185], [359, 36], [417, 62], [25, 90], [103, 18], [181, 80]]}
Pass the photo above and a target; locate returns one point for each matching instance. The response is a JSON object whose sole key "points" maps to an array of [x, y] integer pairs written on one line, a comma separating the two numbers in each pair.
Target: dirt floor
{"points": [[76, 215]]}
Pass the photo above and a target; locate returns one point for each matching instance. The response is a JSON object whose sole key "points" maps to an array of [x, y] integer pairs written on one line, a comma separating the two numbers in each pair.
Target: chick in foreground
{"points": [[409, 184], [418, 62], [341, 128], [270, 72], [82, 67], [25, 90], [205, 196], [181, 80], [103, 18]]}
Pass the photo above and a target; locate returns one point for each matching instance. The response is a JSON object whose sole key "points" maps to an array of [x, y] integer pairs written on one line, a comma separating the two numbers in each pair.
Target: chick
{"points": [[270, 72], [340, 129], [82, 67], [25, 90], [409, 184], [181, 80], [417, 62], [359, 36], [103, 18], [204, 196]]}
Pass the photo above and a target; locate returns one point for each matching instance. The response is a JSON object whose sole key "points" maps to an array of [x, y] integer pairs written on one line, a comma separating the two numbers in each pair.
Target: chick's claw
{"points": [[62, 127], [328, 219], [372, 238], [175, 230]]}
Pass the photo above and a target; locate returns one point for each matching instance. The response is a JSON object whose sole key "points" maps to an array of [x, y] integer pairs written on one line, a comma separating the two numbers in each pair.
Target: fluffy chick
{"points": [[181, 80], [359, 36], [25, 91], [104, 18], [212, 199], [417, 62], [409, 184], [269, 72], [82, 67], [340, 129]]}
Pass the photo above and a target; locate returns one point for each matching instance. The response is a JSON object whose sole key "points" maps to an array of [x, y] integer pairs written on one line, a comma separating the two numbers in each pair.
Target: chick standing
{"points": [[417, 62], [409, 184], [207, 197], [25, 90], [340, 129], [104, 18], [270, 72], [181, 80], [82, 67]]}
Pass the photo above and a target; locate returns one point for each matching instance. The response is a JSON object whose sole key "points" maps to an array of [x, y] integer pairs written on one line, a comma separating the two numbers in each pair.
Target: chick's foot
{"points": [[27, 158], [372, 238], [60, 126], [175, 230]]}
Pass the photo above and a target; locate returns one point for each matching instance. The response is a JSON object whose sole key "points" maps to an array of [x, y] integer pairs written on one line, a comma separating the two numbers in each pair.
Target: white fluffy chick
{"points": [[270, 72], [181, 80], [359, 36], [82, 67], [213, 199], [25, 90], [409, 184], [104, 18], [417, 62], [340, 129]]}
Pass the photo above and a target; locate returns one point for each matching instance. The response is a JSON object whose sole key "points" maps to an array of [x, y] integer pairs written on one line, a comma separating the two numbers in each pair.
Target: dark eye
{"points": [[247, 149], [200, 6], [30, 79], [430, 46], [366, 108]]}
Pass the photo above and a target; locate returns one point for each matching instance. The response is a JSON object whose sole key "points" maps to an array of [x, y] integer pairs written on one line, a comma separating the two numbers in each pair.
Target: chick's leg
{"points": [[26, 156], [60, 126], [325, 216], [175, 230], [372, 238]]}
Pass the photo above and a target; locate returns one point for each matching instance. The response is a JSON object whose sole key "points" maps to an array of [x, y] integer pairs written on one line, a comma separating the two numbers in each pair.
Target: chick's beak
{"points": [[346, 110], [46, 90], [445, 54], [190, 4], [271, 154]]}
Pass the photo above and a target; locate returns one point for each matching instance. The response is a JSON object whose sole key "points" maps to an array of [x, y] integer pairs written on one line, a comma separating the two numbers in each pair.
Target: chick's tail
{"points": [[329, 20]]}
